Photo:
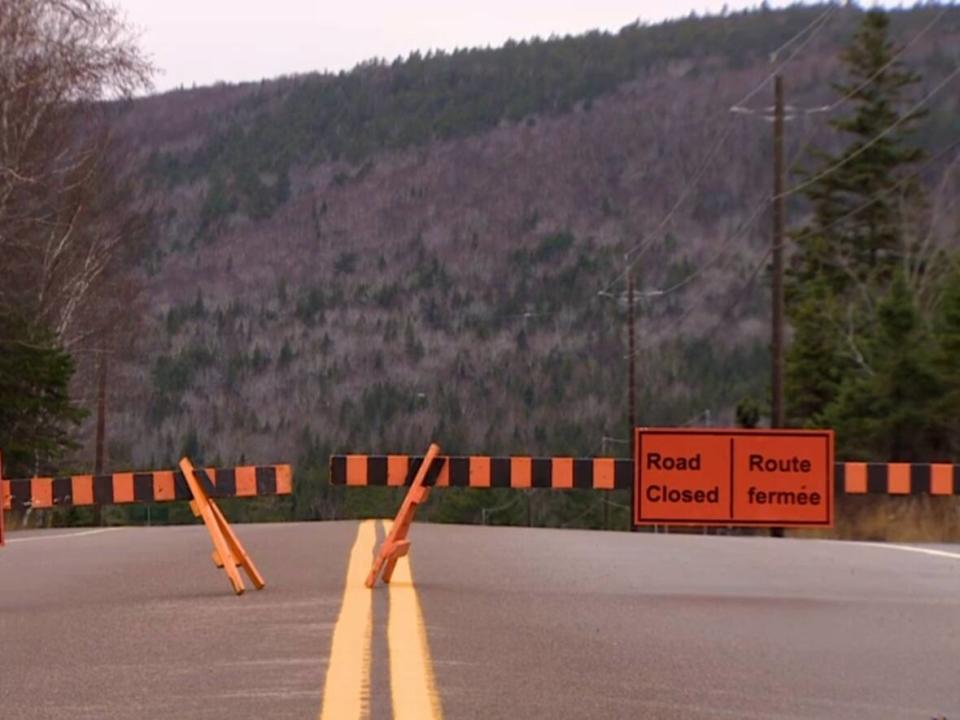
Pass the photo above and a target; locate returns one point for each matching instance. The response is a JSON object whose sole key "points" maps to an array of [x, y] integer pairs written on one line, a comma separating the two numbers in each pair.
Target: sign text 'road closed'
{"points": [[734, 477]]}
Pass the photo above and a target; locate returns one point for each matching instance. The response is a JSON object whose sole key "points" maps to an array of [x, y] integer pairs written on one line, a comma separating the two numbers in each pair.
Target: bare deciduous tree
{"points": [[60, 62]]}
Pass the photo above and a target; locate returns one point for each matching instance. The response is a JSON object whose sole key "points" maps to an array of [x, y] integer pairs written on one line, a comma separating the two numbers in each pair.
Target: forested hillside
{"points": [[435, 248]]}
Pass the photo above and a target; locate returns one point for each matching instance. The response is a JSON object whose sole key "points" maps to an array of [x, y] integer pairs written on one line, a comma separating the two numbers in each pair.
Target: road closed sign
{"points": [[733, 477]]}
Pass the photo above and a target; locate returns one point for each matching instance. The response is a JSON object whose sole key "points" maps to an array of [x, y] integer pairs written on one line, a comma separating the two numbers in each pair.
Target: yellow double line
{"points": [[413, 692]]}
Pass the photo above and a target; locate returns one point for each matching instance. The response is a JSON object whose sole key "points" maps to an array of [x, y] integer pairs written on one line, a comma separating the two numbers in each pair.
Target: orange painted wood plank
{"points": [[163, 485], [521, 472], [82, 489], [356, 469], [123, 487], [603, 473], [855, 477], [41, 492], [397, 466], [443, 478], [284, 480], [479, 471], [898, 478], [941, 479], [562, 473], [246, 481]]}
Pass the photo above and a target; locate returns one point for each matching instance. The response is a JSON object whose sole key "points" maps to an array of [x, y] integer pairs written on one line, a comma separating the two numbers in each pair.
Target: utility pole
{"points": [[632, 366], [776, 335], [101, 426], [631, 382], [777, 416]]}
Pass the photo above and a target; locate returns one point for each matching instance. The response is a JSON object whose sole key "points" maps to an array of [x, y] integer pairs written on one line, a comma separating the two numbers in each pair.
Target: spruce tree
{"points": [[845, 257], [886, 408], [36, 413], [946, 330]]}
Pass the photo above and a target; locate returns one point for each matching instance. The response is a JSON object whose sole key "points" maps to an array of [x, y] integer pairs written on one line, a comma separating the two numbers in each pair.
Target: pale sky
{"points": [[203, 41]]}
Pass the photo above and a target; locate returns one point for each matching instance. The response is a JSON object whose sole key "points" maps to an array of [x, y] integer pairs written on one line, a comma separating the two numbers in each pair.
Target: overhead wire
{"points": [[806, 141], [761, 263], [852, 93], [724, 316], [896, 56], [700, 270], [814, 28], [753, 216], [873, 141]]}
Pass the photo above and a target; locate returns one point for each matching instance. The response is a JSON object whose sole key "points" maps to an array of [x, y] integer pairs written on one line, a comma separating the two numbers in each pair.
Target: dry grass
{"points": [[895, 519]]}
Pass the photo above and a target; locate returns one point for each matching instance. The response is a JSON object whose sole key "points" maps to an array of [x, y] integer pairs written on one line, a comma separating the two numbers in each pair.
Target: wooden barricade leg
{"points": [[228, 553], [237, 549], [396, 544]]}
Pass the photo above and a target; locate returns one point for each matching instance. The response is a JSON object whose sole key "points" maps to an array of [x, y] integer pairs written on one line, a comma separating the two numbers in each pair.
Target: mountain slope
{"points": [[434, 248]]}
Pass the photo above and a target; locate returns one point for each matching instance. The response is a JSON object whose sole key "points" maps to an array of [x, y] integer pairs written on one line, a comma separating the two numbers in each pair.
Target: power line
{"points": [[793, 111], [873, 141], [748, 283], [738, 235], [738, 108], [760, 206], [837, 221], [724, 316], [896, 56], [640, 248], [821, 19]]}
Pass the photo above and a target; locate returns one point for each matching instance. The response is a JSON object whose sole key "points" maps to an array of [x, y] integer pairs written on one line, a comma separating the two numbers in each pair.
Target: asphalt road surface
{"points": [[482, 623]]}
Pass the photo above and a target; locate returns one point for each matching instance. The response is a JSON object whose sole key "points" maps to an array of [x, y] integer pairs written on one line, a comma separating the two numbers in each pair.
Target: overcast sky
{"points": [[203, 41]]}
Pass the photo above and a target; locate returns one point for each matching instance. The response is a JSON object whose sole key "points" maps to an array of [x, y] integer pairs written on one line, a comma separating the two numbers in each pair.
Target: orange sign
{"points": [[733, 477]]}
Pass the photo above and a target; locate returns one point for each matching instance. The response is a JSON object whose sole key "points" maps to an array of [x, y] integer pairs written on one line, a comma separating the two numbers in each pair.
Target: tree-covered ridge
{"points": [[441, 96], [467, 287]]}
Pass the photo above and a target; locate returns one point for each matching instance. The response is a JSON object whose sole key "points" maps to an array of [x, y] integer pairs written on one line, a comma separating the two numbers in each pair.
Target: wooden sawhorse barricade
{"points": [[198, 486]]}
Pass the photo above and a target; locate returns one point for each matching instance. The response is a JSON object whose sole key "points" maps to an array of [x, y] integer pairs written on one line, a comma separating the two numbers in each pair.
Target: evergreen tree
{"points": [[36, 413], [816, 363], [847, 254], [947, 360], [887, 408]]}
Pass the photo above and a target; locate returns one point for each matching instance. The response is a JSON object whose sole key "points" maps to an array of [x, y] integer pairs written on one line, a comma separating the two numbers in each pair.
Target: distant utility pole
{"points": [[101, 426], [777, 416], [632, 361], [776, 335]]}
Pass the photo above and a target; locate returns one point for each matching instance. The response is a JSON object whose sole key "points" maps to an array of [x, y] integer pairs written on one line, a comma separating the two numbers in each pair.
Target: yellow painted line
{"points": [[413, 687], [346, 690]]}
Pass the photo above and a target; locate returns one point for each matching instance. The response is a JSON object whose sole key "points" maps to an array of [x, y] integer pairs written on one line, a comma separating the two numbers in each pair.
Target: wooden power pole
{"points": [[631, 380], [632, 362], [101, 426], [776, 336], [777, 415]]}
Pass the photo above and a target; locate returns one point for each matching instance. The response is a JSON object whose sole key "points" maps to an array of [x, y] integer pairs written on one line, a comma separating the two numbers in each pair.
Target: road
{"points": [[482, 623]]}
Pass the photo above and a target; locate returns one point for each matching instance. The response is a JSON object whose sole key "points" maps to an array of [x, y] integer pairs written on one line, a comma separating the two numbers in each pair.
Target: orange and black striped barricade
{"points": [[228, 553], [146, 487], [200, 486], [396, 544], [567, 473], [483, 471]]}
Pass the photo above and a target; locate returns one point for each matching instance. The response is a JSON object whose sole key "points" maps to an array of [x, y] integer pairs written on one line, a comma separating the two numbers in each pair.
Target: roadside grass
{"points": [[920, 518]]}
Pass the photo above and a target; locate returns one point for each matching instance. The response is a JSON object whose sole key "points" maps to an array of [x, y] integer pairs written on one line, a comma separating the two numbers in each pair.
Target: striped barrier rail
{"points": [[144, 487], [199, 486], [564, 473]]}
